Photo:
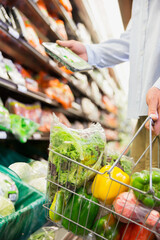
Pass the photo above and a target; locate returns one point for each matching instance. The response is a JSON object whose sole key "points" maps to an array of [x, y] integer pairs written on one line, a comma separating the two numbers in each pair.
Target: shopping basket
{"points": [[70, 213]]}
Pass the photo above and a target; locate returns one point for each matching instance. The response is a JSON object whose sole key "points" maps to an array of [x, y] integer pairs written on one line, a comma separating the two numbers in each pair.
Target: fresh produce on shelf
{"points": [[95, 93], [22, 128], [141, 181], [66, 4], [84, 146], [60, 26], [43, 9], [107, 227], [109, 105], [111, 135], [90, 109], [109, 119], [39, 184], [105, 189], [57, 206], [81, 211], [63, 119], [45, 120], [44, 233], [30, 111], [8, 188], [33, 173], [61, 29], [23, 170], [31, 84], [136, 232], [4, 118], [56, 90], [32, 37], [6, 207], [13, 73], [126, 205], [125, 163], [3, 71], [39, 168]]}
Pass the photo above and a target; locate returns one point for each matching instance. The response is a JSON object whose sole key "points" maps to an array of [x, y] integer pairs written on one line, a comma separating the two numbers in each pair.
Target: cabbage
{"points": [[39, 168], [8, 188], [23, 170], [39, 184], [6, 207]]}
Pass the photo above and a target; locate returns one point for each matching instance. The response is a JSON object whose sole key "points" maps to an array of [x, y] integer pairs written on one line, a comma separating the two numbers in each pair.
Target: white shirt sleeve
{"points": [[157, 84], [110, 52]]}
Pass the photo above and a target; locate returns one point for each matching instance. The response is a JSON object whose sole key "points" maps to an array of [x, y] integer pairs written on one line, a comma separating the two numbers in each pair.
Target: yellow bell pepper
{"points": [[105, 189]]}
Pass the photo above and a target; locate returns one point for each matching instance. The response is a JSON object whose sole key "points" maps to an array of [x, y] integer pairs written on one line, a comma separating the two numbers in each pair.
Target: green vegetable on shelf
{"points": [[81, 211], [107, 227], [140, 180], [22, 128]]}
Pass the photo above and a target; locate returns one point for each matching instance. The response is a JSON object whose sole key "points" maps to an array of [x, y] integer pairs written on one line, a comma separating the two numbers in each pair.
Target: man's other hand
{"points": [[153, 102]]}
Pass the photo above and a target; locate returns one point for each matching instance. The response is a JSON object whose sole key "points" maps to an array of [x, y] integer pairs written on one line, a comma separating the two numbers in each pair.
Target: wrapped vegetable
{"points": [[44, 233], [84, 146], [125, 163], [8, 188], [23, 170], [39, 184], [6, 207], [126, 205], [136, 232], [106, 189], [22, 128], [4, 118], [140, 180]]}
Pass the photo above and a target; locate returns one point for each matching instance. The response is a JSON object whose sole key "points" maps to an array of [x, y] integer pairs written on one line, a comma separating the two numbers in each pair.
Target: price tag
{"points": [[21, 88], [3, 135], [13, 32], [36, 135]]}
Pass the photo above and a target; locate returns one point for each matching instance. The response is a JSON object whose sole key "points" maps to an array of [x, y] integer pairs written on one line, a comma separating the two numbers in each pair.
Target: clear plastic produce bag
{"points": [[44, 233], [82, 146]]}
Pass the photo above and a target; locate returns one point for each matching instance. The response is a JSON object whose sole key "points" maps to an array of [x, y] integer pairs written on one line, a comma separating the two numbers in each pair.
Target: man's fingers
{"points": [[68, 44]]}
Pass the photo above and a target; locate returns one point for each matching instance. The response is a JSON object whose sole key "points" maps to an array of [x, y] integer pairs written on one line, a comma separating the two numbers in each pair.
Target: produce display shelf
{"points": [[22, 90], [53, 5], [25, 92], [15, 46], [33, 13], [36, 136]]}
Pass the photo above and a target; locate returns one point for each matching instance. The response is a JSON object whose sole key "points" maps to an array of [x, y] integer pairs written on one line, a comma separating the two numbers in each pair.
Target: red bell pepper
{"points": [[136, 232]]}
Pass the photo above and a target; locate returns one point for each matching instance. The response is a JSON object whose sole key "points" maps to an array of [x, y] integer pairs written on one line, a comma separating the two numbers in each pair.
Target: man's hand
{"points": [[153, 102], [76, 47]]}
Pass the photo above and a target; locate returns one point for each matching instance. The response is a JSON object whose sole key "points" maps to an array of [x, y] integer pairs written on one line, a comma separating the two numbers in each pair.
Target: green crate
{"points": [[30, 214]]}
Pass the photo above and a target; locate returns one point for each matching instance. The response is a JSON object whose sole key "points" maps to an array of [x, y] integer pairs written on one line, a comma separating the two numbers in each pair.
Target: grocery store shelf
{"points": [[25, 92], [36, 136], [54, 6], [13, 45], [33, 13], [84, 15]]}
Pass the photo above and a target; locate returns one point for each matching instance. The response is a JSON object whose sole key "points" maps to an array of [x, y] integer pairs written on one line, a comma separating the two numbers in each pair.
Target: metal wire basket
{"points": [[70, 191]]}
